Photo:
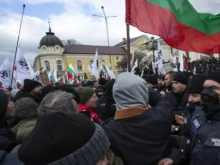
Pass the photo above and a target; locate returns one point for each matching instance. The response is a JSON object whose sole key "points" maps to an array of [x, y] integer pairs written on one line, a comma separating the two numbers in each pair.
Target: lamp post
{"points": [[152, 45], [106, 22]]}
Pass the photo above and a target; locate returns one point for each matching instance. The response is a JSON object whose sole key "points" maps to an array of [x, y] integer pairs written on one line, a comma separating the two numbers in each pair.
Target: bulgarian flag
{"points": [[187, 25], [65, 78], [204, 57], [71, 72], [101, 74], [185, 59]]}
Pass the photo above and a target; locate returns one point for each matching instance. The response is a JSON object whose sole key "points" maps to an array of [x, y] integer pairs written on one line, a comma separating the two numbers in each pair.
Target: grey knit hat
{"points": [[64, 139]]}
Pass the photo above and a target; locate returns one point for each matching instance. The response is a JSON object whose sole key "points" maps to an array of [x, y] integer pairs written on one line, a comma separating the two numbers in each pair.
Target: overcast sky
{"points": [[69, 19]]}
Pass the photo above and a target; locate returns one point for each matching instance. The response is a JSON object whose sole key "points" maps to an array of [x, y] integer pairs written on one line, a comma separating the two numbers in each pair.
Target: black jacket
{"points": [[143, 139], [178, 101]]}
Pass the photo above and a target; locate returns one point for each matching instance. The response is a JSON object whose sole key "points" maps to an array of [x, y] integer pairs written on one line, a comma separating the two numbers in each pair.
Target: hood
{"points": [[130, 91]]}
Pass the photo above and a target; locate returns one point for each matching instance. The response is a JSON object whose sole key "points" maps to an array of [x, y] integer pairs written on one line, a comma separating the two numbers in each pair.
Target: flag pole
{"points": [[17, 43], [128, 47]]}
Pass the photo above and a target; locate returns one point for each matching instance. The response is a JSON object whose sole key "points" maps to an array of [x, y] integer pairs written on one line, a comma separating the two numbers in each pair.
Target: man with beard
{"points": [[168, 82], [30, 89]]}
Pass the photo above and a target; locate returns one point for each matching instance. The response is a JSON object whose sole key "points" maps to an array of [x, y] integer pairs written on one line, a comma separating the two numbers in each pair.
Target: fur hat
{"points": [[29, 85], [64, 138], [85, 93]]}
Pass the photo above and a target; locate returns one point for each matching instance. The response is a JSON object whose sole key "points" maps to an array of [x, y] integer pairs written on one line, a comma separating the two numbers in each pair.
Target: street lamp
{"points": [[152, 45], [106, 22]]}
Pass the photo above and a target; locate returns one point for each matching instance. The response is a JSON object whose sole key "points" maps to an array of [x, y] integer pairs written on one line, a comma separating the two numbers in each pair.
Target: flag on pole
{"points": [[101, 74], [71, 72], [181, 62], [5, 73], [132, 59], [111, 75], [160, 58], [185, 59], [187, 25], [173, 59], [54, 77], [204, 57], [94, 67], [65, 78], [135, 65]]}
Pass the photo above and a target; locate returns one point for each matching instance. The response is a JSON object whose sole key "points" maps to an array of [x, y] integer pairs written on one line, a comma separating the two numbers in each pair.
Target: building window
{"points": [[47, 65], [79, 65], [59, 65], [57, 48], [90, 62]]}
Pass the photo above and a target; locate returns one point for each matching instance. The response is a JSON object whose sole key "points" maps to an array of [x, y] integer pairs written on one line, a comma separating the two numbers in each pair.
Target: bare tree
{"points": [[70, 42], [122, 65]]}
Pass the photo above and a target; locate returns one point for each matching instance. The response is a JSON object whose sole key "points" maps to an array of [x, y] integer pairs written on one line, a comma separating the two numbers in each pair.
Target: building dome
{"points": [[50, 40]]}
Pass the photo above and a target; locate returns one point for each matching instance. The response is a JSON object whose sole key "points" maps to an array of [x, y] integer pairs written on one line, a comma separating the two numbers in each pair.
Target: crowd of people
{"points": [[171, 119]]}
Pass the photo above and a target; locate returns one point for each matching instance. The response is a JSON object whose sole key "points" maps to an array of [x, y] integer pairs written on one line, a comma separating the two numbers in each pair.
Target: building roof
{"points": [[91, 49], [131, 40], [50, 40]]}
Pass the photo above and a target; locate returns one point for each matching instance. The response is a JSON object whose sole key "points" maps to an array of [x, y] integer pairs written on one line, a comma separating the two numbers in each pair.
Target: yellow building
{"points": [[54, 55]]}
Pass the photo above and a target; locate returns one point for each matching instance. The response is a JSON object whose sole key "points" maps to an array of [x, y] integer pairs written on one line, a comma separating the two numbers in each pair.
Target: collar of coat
{"points": [[130, 112]]}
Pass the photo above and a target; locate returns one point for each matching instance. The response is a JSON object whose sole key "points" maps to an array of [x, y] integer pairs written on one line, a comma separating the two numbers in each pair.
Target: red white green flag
{"points": [[188, 25], [185, 59], [204, 57], [71, 72]]}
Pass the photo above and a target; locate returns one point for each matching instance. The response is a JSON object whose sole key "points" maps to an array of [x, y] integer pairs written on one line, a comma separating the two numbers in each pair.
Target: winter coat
{"points": [[178, 101], [9, 159], [140, 135], [7, 137], [25, 109]]}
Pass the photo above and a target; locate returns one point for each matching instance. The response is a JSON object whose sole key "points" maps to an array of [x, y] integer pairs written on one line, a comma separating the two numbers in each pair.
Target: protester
{"points": [[88, 102], [168, 83], [31, 89], [7, 137], [139, 134], [70, 139], [152, 82]]}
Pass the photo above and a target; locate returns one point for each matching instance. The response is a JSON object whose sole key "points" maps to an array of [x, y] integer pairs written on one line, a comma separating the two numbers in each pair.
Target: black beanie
{"points": [[196, 84], [215, 76], [3, 103], [29, 85], [181, 78], [152, 80], [45, 90], [64, 138]]}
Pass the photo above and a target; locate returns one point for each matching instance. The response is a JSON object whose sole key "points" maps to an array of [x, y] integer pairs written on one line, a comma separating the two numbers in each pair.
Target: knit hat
{"points": [[64, 138], [215, 76], [85, 93], [3, 103], [29, 85], [181, 78], [196, 85], [152, 80]]}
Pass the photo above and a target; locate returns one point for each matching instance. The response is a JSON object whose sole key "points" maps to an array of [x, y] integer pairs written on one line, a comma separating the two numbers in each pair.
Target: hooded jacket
{"points": [[139, 135]]}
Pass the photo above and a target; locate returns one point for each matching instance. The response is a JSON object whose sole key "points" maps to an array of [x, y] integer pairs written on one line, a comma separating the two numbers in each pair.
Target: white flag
{"points": [[181, 61], [22, 68], [135, 66], [5, 73], [94, 67], [108, 71]]}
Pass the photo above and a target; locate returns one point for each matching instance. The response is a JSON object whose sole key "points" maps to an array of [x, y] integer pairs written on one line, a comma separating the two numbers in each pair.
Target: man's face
{"points": [[194, 97], [9, 110], [168, 80], [37, 90], [178, 87], [161, 83], [213, 85], [92, 101]]}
